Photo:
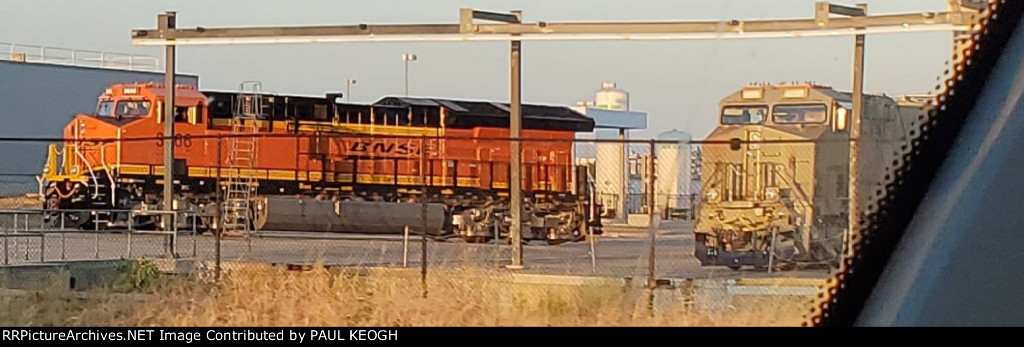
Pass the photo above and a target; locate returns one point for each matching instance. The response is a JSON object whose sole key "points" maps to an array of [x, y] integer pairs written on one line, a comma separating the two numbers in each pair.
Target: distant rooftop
{"points": [[77, 57]]}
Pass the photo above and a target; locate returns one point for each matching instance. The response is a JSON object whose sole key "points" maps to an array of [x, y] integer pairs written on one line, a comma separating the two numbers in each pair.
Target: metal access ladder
{"points": [[241, 184]]}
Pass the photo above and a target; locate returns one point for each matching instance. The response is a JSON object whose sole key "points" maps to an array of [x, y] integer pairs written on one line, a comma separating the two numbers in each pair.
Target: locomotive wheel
{"points": [[475, 239], [785, 266], [53, 217], [72, 220], [561, 241]]}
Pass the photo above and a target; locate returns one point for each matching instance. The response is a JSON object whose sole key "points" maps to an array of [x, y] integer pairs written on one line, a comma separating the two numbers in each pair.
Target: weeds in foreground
{"points": [[271, 296]]}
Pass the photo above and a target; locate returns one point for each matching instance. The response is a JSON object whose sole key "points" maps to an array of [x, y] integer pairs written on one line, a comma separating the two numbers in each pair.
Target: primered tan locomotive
{"points": [[776, 172]]}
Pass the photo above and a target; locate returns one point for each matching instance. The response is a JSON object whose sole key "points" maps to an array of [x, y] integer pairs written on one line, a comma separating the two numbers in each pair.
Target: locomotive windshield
{"points": [[799, 114], [132, 108], [754, 114], [743, 115], [105, 108]]}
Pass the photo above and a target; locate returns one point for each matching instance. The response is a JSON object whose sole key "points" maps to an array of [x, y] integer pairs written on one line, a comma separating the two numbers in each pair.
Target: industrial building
{"points": [[622, 171], [42, 88]]}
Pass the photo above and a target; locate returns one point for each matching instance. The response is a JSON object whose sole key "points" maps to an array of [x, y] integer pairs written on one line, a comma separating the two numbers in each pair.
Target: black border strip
{"points": [[927, 154]]}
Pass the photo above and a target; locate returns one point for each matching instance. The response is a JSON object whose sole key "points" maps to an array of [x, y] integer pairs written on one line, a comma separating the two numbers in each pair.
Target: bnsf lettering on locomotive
{"points": [[358, 146], [406, 148], [388, 148], [383, 147]]}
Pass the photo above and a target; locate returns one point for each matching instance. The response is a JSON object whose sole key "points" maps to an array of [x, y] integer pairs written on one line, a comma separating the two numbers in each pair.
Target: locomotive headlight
{"points": [[74, 170], [712, 194], [46, 169], [771, 193]]}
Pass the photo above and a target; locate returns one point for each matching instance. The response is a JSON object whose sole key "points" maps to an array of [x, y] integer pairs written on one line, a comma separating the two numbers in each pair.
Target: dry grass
{"points": [[21, 202], [268, 296]]}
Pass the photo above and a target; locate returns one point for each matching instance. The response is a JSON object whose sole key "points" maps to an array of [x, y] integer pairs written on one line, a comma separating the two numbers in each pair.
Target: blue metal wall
{"points": [[37, 100]]}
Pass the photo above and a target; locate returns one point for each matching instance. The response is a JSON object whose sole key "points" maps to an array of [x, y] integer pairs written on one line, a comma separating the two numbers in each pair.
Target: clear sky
{"points": [[677, 82]]}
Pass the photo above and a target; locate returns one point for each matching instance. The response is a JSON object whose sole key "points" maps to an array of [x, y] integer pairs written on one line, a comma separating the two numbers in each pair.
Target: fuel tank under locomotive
{"points": [[365, 217]]}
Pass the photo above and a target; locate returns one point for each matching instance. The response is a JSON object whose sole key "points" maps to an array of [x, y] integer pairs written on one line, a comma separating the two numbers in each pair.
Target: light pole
{"points": [[348, 88], [407, 57], [822, 10], [168, 24]]}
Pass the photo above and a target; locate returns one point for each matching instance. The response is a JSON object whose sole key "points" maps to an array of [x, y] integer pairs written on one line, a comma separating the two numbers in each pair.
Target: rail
{"points": [[77, 57]]}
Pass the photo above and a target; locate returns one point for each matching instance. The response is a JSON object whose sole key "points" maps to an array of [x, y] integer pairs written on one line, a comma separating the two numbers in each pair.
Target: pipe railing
{"points": [[77, 57], [21, 227]]}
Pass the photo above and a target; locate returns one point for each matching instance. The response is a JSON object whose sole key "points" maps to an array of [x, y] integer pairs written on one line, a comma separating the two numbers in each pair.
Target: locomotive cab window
{"points": [[799, 114], [195, 114], [181, 114], [754, 114]]}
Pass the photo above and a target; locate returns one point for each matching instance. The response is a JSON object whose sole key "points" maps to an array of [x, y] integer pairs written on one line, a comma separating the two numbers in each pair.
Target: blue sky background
{"points": [[678, 83]]}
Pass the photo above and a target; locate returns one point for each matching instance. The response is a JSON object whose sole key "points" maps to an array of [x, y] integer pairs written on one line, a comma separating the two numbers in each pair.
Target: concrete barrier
{"points": [[78, 275], [81, 274]]}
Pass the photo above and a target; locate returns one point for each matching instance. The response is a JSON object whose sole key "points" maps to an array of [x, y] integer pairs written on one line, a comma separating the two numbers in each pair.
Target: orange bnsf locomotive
{"points": [[301, 151]]}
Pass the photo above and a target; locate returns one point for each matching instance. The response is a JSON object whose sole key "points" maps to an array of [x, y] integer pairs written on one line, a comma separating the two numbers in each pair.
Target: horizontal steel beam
{"points": [[455, 37], [893, 23]]}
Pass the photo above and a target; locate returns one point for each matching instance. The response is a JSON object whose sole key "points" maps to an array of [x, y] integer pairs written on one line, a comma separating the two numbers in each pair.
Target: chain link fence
{"points": [[638, 213]]}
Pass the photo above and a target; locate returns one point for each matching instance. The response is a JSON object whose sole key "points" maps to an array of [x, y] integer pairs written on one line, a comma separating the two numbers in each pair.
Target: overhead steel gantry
{"points": [[959, 18]]}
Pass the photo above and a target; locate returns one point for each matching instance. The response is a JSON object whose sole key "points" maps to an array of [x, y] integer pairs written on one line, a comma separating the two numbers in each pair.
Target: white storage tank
{"points": [[610, 175], [611, 98], [673, 174]]}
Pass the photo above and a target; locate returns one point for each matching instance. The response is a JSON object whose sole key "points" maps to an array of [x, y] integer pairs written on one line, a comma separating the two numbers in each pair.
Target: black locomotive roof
{"points": [[470, 113], [459, 113]]}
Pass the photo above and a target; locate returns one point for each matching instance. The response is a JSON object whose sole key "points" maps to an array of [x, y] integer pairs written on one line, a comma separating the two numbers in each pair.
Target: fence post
{"points": [[771, 252], [131, 219], [423, 196], [497, 239], [405, 248], [14, 228], [174, 235], [42, 241], [194, 232], [7, 235], [63, 234], [593, 248], [96, 234], [651, 282], [651, 216], [217, 214]]}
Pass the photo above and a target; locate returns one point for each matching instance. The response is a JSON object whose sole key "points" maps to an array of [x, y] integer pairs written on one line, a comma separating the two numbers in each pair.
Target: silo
{"points": [[610, 169], [673, 175], [611, 98]]}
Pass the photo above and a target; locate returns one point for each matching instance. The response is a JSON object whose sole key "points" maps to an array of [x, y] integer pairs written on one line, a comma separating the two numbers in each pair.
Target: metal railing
{"points": [[77, 57], [669, 206], [32, 225]]}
